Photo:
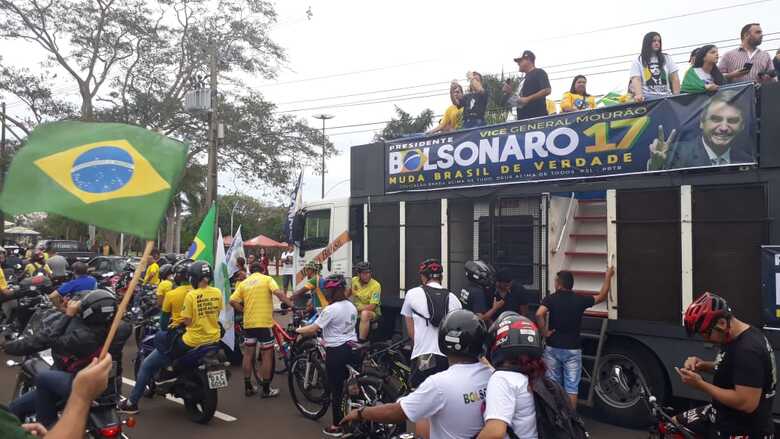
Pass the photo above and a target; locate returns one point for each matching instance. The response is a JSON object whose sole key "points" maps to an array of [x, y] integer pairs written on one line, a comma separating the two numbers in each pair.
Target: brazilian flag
{"points": [[115, 176], [202, 247]]}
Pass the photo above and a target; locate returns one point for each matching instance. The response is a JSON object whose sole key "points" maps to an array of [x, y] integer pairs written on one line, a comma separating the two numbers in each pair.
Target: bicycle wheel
{"points": [[308, 387]]}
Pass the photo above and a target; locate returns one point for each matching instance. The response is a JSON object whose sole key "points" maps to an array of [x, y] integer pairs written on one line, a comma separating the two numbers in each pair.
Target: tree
{"points": [[405, 124], [254, 217], [497, 110], [138, 58]]}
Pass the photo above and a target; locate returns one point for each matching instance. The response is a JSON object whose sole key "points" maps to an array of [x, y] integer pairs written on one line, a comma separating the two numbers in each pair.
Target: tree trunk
{"points": [[179, 221], [87, 114], [170, 229]]}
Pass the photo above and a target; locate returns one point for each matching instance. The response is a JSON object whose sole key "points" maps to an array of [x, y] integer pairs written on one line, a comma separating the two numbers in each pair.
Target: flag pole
{"points": [[120, 312]]}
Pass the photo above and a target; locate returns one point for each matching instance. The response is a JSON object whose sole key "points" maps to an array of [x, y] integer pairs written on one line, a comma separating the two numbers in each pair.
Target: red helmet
{"points": [[704, 312], [431, 268]]}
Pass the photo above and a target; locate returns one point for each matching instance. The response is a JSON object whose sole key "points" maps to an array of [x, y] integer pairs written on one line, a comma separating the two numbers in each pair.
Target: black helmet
{"points": [[181, 271], [363, 267], [165, 271], [198, 271], [98, 307], [333, 283], [480, 273], [171, 258], [513, 335], [431, 268], [462, 333]]}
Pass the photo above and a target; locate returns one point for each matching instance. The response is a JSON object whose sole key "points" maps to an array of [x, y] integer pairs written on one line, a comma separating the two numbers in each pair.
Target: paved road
{"points": [[244, 417]]}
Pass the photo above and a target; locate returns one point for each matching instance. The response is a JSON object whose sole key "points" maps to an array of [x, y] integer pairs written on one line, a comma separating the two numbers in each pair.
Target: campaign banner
{"points": [[682, 132]]}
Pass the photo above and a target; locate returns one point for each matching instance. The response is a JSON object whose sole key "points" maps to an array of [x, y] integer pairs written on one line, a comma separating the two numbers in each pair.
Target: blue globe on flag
{"points": [[102, 169], [413, 160]]}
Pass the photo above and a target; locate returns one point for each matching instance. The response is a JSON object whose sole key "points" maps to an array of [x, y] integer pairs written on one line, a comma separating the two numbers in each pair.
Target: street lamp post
{"points": [[323, 117]]}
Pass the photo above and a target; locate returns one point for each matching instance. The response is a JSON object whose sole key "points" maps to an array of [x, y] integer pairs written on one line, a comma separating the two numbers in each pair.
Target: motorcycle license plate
{"points": [[217, 379]]}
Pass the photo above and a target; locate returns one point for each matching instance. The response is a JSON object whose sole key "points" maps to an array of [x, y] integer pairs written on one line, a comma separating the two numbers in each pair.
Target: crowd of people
{"points": [[653, 75]]}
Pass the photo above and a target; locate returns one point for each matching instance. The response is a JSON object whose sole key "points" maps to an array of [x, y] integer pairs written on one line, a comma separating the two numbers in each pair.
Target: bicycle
{"points": [[664, 425]]}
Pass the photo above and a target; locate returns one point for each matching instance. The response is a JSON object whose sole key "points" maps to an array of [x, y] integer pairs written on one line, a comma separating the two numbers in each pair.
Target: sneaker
{"points": [[250, 390], [333, 431], [127, 407], [272, 393]]}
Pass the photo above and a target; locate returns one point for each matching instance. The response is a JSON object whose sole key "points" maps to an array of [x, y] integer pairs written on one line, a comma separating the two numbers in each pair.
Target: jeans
{"points": [[150, 366], [473, 123], [565, 367], [52, 388]]}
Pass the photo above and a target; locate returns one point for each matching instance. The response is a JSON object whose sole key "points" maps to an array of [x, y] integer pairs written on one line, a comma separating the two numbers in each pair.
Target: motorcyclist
{"points": [[745, 376], [37, 264], [152, 276], [166, 282], [81, 282], [75, 338], [481, 278], [170, 329]]}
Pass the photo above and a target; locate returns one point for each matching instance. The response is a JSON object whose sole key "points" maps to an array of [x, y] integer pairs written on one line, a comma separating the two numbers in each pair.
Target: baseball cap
{"points": [[526, 54]]}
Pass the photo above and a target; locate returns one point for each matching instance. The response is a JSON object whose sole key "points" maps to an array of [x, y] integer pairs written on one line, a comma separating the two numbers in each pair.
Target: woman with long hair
{"points": [[453, 116], [577, 98], [704, 74], [653, 72]]}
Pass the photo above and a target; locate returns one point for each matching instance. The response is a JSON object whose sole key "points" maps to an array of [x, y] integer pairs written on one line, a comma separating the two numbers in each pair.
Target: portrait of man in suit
{"points": [[721, 123]]}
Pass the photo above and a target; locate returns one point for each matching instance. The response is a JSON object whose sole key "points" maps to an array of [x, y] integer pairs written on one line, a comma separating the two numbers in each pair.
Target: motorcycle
{"points": [[196, 377], [30, 294], [103, 420]]}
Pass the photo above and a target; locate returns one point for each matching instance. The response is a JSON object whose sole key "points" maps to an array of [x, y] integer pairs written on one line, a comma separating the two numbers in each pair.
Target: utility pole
{"points": [[323, 117], [211, 191], [2, 172]]}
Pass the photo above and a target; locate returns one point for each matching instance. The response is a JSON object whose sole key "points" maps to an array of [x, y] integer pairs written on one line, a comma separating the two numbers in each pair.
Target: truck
{"points": [[72, 251], [672, 231]]}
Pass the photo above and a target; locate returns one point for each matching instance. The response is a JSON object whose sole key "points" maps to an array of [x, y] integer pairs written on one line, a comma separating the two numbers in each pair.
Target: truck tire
{"points": [[619, 401]]}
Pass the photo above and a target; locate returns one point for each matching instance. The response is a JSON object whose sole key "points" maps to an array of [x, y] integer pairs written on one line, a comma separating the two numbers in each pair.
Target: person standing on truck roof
{"points": [[563, 353], [423, 310], [531, 101], [745, 374]]}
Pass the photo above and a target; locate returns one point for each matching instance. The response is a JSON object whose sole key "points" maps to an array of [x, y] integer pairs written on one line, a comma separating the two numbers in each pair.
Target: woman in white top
{"points": [[337, 322], [653, 73]]}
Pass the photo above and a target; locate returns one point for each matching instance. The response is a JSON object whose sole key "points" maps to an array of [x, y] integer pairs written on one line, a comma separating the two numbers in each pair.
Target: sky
{"points": [[414, 49]]}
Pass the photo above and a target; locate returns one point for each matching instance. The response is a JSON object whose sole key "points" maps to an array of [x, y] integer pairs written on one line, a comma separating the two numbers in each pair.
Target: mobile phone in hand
{"points": [[747, 66]]}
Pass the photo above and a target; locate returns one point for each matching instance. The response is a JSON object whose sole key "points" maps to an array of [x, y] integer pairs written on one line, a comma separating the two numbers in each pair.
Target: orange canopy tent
{"points": [[264, 241]]}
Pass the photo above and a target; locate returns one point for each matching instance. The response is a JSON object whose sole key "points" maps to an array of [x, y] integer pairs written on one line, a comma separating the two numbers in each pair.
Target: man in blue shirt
{"points": [[81, 282]]}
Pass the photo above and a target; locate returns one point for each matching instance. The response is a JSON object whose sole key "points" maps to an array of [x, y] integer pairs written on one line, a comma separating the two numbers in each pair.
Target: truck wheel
{"points": [[617, 393]]}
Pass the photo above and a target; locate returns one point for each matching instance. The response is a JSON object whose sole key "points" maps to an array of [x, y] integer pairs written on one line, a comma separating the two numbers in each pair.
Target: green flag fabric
{"points": [[202, 247], [114, 176]]}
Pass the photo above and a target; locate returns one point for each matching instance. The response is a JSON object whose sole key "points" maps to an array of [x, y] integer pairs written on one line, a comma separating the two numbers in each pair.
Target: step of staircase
{"points": [[585, 253]]}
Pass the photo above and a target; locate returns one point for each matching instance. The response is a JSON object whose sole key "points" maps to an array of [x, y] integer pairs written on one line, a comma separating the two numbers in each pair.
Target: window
{"points": [[316, 232]]}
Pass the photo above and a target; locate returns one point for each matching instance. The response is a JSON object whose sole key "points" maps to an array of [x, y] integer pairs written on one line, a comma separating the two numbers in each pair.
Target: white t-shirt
{"points": [[337, 322], [452, 400], [656, 81], [426, 336], [510, 400], [287, 267]]}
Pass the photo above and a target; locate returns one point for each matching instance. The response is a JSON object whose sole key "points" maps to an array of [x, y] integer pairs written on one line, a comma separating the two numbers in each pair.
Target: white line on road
{"points": [[219, 415]]}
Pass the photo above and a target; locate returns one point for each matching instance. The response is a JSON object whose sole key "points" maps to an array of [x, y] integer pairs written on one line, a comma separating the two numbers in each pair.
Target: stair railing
{"points": [[565, 223]]}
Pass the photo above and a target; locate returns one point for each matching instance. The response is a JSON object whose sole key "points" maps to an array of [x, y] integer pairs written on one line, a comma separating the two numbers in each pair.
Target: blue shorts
{"points": [[565, 367]]}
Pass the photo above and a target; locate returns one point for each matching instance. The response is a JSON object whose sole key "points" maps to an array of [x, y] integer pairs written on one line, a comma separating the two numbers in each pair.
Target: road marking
{"points": [[219, 415]]}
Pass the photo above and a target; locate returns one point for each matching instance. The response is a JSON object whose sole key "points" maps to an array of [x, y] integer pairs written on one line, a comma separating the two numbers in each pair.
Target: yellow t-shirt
{"points": [[3, 283], [32, 267], [255, 293], [152, 274], [174, 303], [202, 305], [573, 101], [453, 117], [551, 107], [163, 287], [368, 294]]}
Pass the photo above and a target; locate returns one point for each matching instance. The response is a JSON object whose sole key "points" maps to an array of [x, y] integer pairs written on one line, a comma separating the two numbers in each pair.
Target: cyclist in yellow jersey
{"points": [[152, 276], [166, 282], [311, 287], [253, 298], [366, 295]]}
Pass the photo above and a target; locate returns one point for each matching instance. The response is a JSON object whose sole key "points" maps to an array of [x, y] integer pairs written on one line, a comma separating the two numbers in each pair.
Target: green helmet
{"points": [[313, 265]]}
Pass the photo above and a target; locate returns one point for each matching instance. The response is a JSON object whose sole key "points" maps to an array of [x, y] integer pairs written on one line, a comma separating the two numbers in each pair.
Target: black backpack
{"points": [[438, 305], [555, 418]]}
